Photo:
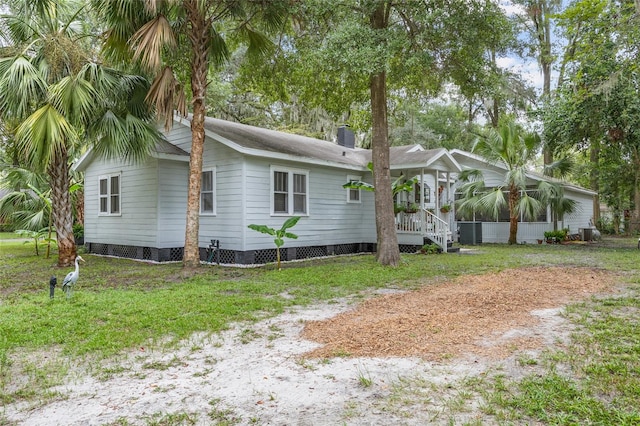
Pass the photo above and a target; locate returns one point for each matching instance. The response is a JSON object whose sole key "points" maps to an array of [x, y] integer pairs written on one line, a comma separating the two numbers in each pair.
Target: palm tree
{"points": [[158, 33], [514, 149], [53, 85]]}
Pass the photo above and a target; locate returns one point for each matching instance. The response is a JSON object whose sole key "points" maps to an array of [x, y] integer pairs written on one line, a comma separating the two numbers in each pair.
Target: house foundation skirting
{"points": [[224, 256]]}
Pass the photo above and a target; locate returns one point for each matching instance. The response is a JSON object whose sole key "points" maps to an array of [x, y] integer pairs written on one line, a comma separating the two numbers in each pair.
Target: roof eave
{"points": [[171, 157], [83, 161]]}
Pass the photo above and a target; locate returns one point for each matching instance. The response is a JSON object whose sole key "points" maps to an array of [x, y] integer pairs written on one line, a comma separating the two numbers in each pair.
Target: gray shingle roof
{"points": [[164, 147], [256, 138], [408, 154], [262, 140]]}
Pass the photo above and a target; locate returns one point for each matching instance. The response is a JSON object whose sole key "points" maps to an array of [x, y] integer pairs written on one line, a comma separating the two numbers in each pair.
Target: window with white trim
{"points": [[208, 192], [109, 195], [289, 191], [353, 194], [427, 193]]}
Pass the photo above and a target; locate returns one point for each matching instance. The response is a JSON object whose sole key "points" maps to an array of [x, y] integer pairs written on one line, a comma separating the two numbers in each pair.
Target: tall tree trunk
{"points": [[594, 178], [540, 14], [80, 206], [61, 208], [514, 197], [634, 223], [494, 110], [200, 40], [388, 252]]}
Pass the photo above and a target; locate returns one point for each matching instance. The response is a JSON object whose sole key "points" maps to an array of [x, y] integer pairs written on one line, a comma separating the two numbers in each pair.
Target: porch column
{"points": [[421, 189], [448, 176], [423, 225], [437, 191]]}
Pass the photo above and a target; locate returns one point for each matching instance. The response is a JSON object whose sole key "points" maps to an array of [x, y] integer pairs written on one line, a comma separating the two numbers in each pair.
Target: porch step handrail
{"points": [[425, 223], [436, 229]]}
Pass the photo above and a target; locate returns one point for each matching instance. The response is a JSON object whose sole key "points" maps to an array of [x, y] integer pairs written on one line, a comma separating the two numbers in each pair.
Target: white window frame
{"points": [[109, 195], [351, 191], [290, 193], [213, 191]]}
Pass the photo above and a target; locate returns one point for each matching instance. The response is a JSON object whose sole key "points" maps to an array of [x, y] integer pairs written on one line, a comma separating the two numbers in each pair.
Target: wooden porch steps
{"points": [[450, 248]]}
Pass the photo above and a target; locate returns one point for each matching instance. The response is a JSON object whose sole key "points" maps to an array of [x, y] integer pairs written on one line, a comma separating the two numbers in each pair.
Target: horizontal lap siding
{"points": [[583, 216], [173, 177], [180, 136], [138, 204], [227, 224], [331, 219], [495, 232]]}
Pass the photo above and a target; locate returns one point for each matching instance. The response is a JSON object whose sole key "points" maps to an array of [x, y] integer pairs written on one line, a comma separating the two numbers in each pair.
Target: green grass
{"points": [[9, 236], [605, 359], [120, 304]]}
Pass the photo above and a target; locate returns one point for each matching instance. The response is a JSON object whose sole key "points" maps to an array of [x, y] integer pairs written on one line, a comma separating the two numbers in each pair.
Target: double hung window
{"points": [[353, 194], [109, 195], [289, 191], [208, 192]]}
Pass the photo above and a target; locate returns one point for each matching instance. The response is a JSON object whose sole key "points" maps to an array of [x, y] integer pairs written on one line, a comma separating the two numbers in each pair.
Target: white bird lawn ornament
{"points": [[71, 278]]}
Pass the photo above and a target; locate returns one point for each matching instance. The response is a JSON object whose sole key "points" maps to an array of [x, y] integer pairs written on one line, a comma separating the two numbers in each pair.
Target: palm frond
{"points": [[17, 30], [21, 86], [274, 17], [42, 134], [75, 98], [529, 206], [18, 177], [566, 206], [466, 207], [259, 44], [25, 209], [472, 188], [149, 41], [559, 168], [516, 177], [219, 50], [102, 78], [491, 202], [128, 137], [546, 191], [165, 93], [143, 137], [469, 175]]}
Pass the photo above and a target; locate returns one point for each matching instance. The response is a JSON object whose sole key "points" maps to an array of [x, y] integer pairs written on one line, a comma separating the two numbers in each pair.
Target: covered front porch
{"points": [[416, 228], [426, 213]]}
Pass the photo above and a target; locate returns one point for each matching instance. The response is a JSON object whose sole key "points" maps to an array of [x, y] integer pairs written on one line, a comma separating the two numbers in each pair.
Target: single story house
{"points": [[259, 176]]}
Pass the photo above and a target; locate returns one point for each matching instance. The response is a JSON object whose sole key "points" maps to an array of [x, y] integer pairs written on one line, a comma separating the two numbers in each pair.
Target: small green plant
{"points": [[221, 415], [279, 234], [430, 249], [78, 231], [36, 237], [412, 208], [556, 236], [364, 378]]}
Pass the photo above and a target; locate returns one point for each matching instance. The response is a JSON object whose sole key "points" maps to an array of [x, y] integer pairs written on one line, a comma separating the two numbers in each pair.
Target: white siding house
{"points": [[259, 176], [497, 231]]}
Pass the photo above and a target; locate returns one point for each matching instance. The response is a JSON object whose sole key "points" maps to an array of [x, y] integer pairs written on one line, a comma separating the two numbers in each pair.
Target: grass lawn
{"points": [[121, 304], [9, 236]]}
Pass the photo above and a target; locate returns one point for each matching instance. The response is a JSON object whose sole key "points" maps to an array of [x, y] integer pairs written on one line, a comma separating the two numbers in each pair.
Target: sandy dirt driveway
{"points": [[395, 358]]}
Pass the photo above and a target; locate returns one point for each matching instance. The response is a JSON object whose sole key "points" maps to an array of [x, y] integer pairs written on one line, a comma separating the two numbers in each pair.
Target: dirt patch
{"points": [[262, 373], [456, 318]]}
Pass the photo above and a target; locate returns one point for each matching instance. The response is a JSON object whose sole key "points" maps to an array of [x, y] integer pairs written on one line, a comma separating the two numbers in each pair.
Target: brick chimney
{"points": [[346, 137]]}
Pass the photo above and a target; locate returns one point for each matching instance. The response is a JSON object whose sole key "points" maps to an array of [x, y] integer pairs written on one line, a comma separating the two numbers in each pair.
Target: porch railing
{"points": [[425, 223], [436, 229]]}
